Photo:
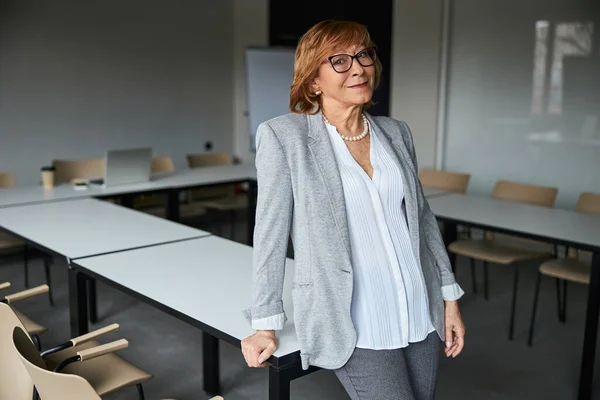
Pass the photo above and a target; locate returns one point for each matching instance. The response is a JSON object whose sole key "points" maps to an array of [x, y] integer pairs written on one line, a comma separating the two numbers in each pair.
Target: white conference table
{"points": [[170, 184], [88, 227], [206, 282], [557, 226], [178, 180]]}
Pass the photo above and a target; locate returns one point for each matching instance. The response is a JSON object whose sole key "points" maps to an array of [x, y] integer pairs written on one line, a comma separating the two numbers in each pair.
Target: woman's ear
{"points": [[316, 88]]}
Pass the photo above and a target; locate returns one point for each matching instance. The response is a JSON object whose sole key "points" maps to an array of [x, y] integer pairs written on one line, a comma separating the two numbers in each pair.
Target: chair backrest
{"points": [[210, 160], [162, 164], [588, 203], [7, 180], [65, 170], [522, 193], [445, 180], [15, 382], [159, 164], [50, 385]]}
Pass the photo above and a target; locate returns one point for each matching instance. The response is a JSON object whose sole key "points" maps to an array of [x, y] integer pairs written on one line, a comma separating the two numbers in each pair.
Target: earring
{"points": [[318, 92]]}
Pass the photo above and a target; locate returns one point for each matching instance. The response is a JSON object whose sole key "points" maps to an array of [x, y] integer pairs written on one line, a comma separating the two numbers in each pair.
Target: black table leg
{"points": [[210, 359], [172, 211], [280, 378], [252, 192], [78, 303], [586, 375], [92, 300], [449, 234]]}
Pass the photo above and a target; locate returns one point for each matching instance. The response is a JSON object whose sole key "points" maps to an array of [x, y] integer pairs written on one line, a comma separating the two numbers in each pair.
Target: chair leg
{"points": [[47, 264], [564, 302], [559, 301], [513, 305], [473, 277], [486, 286], [140, 390], [535, 300], [26, 264]]}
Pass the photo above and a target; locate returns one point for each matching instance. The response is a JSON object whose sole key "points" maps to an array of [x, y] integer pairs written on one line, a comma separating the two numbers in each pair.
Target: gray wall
{"points": [[77, 77]]}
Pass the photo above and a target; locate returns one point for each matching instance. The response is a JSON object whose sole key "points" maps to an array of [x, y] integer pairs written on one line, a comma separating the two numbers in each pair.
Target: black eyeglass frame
{"points": [[352, 57]]}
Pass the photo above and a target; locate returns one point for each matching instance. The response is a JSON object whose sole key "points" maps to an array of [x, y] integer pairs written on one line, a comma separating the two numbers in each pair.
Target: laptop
{"points": [[125, 166]]}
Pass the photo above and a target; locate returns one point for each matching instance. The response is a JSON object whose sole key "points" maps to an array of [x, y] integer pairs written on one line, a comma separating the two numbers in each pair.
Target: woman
{"points": [[372, 280]]}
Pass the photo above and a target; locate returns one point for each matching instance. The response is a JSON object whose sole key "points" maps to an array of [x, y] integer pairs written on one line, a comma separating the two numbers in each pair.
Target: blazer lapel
{"points": [[395, 147], [324, 156]]}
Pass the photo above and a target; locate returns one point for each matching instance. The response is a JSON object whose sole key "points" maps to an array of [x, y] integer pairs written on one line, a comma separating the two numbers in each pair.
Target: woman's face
{"points": [[348, 88]]}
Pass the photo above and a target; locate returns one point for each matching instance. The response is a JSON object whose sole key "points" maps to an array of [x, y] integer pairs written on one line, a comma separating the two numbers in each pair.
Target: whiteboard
{"points": [[269, 75]]}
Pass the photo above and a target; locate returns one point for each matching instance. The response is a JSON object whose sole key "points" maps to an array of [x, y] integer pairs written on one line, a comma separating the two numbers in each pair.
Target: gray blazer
{"points": [[300, 192]]}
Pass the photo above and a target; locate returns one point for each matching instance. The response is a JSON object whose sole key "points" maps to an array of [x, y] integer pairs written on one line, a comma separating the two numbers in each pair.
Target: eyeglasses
{"points": [[343, 62]]}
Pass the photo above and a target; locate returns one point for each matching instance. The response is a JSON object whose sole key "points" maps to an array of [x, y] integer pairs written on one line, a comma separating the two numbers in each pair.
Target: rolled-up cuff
{"points": [[452, 292], [274, 322]]}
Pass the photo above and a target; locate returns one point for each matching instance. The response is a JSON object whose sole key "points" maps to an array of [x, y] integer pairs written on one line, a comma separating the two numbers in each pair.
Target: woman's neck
{"points": [[348, 120]]}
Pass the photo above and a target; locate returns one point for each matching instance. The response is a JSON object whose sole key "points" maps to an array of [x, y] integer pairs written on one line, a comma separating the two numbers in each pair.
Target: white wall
{"points": [[492, 131], [77, 77], [250, 28]]}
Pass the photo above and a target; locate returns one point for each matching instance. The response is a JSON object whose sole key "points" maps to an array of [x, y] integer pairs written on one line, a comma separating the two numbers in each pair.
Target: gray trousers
{"points": [[400, 374]]}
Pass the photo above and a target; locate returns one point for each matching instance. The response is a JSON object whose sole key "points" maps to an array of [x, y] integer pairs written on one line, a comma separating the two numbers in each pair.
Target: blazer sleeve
{"points": [[274, 207], [450, 289]]}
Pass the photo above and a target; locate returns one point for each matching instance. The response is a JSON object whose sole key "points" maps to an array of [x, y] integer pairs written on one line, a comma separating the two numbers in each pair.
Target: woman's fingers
{"points": [[460, 342], [257, 349], [266, 353]]}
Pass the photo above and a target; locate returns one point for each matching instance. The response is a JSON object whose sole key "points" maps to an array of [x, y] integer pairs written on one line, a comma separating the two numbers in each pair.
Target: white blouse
{"points": [[390, 303]]}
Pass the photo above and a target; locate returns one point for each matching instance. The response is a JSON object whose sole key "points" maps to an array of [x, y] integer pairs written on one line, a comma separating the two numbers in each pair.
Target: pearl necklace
{"points": [[352, 138]]}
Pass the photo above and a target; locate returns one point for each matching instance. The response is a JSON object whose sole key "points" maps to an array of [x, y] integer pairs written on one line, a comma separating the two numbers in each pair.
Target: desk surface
{"points": [[80, 228], [568, 227], [208, 280], [10, 197]]}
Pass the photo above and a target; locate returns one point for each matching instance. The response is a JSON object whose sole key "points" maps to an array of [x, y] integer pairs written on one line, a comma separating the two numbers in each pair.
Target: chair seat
{"points": [[106, 374], [9, 242], [568, 269], [194, 209], [227, 204], [33, 328], [491, 251]]}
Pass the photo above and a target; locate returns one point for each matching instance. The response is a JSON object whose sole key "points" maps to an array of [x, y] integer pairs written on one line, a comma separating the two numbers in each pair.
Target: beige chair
{"points": [[444, 180], [33, 328], [7, 180], [222, 198], [450, 182], [154, 204], [67, 170], [493, 248], [568, 269], [107, 373], [54, 385]]}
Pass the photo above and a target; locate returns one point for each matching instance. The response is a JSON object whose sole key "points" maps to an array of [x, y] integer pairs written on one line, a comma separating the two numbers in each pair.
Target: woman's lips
{"points": [[359, 86]]}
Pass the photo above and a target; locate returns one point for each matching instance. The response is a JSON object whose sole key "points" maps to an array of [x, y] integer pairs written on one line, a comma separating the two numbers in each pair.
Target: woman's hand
{"points": [[455, 329], [258, 348]]}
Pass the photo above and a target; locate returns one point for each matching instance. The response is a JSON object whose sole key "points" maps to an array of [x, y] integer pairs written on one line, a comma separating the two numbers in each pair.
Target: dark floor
{"points": [[491, 367]]}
